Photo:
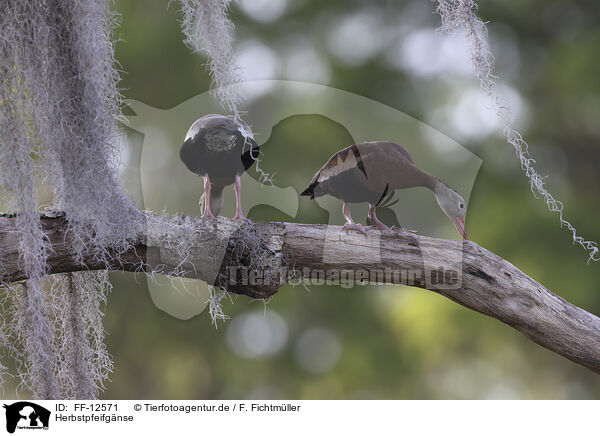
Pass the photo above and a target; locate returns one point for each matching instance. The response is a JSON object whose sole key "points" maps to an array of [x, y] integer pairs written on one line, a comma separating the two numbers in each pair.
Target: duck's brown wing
{"points": [[387, 164], [344, 160], [363, 171], [389, 147]]}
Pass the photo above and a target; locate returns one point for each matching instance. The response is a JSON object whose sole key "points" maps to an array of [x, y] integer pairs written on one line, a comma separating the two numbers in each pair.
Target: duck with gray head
{"points": [[368, 171]]}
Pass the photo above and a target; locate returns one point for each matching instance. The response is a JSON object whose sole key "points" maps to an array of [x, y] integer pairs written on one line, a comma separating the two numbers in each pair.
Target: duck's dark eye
{"points": [[461, 205]]}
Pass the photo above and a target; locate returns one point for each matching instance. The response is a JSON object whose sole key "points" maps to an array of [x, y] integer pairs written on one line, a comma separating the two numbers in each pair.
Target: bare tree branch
{"points": [[221, 252]]}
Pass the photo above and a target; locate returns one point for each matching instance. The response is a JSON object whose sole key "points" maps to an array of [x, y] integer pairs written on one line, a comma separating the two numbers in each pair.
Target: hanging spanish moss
{"points": [[62, 355], [462, 13], [79, 107], [32, 345], [215, 308], [208, 31], [83, 363], [59, 107], [20, 148]]}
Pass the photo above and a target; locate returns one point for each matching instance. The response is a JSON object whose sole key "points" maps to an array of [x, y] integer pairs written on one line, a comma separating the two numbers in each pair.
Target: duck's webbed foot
{"points": [[380, 225], [350, 224], [355, 226], [241, 217]]}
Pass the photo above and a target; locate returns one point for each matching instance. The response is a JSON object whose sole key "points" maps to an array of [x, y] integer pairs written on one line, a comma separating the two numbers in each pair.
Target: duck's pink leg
{"points": [[239, 215], [206, 213], [375, 221], [350, 224]]}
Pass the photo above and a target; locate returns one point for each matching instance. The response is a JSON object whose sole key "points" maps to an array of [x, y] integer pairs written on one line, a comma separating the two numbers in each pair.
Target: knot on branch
{"points": [[253, 260]]}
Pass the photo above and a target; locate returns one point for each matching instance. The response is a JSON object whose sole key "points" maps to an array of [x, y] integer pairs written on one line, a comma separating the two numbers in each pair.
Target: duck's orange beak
{"points": [[459, 223]]}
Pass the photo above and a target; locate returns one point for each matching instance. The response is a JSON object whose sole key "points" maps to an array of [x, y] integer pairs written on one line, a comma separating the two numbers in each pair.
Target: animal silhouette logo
{"points": [[26, 415], [294, 123]]}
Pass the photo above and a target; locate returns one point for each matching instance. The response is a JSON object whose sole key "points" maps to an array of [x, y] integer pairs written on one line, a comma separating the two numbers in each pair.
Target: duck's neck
{"points": [[441, 191], [430, 182]]}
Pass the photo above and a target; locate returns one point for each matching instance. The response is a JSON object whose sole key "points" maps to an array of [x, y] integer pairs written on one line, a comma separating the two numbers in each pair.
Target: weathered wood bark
{"points": [[221, 251]]}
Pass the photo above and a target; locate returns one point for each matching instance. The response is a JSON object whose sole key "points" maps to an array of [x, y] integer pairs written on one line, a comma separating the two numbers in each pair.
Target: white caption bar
{"points": [[265, 418]]}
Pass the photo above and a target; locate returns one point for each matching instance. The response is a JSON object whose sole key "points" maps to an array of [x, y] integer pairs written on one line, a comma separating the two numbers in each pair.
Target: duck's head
{"points": [[453, 205]]}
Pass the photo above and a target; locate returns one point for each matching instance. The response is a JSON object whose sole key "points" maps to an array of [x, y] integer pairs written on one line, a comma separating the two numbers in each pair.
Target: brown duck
{"points": [[368, 171]]}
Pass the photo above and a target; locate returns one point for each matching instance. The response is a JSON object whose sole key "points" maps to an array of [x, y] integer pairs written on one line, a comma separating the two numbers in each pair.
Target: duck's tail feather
{"points": [[216, 200], [310, 191]]}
